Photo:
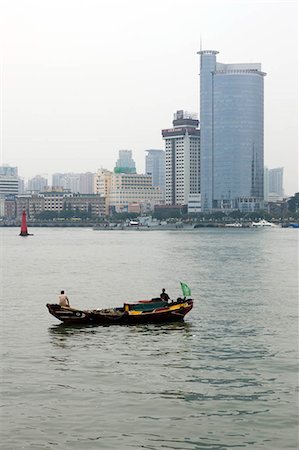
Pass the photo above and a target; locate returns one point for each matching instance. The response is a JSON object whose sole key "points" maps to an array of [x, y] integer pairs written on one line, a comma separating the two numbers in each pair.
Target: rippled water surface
{"points": [[225, 378]]}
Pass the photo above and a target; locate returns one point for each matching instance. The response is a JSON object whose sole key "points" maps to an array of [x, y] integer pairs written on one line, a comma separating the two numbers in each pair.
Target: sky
{"points": [[83, 79]]}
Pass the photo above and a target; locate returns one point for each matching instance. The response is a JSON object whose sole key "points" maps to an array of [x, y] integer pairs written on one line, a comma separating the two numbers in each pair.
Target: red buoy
{"points": [[24, 231]]}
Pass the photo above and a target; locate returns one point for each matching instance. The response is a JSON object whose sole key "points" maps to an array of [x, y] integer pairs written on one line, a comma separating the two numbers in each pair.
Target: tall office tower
{"points": [[276, 181], [155, 166], [9, 181], [182, 159], [232, 133], [8, 170], [21, 185], [125, 162], [66, 181], [58, 180], [86, 183], [266, 183], [37, 183]]}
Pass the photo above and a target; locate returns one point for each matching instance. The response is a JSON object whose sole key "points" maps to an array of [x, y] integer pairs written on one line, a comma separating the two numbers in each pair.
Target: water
{"points": [[226, 378]]}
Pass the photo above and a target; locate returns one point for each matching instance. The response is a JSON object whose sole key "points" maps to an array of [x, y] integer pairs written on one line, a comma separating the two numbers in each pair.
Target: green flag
{"points": [[186, 290]]}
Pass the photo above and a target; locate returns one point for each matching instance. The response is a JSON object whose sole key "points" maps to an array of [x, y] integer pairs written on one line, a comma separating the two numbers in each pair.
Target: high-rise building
{"points": [[8, 170], [155, 166], [266, 183], [232, 133], [9, 181], [276, 182], [86, 183], [125, 162], [66, 181], [37, 183], [182, 159]]}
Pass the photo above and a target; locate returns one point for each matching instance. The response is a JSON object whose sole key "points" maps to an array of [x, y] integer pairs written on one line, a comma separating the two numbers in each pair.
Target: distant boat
{"points": [[234, 225], [263, 223], [293, 225], [24, 230]]}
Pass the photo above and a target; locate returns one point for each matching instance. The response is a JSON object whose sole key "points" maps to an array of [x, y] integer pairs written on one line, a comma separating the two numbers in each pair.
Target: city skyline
{"points": [[104, 82]]}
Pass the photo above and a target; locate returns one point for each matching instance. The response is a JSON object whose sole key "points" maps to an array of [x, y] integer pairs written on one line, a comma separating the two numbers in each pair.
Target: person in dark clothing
{"points": [[164, 296]]}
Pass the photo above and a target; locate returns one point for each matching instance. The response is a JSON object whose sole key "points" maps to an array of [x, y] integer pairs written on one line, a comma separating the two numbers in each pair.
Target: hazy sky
{"points": [[84, 79]]}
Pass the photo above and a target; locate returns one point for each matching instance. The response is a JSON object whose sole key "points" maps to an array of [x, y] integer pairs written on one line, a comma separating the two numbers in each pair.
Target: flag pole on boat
{"points": [[185, 289]]}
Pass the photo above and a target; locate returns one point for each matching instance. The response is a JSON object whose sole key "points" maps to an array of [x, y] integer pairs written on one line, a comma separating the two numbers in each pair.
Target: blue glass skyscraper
{"points": [[232, 134]]}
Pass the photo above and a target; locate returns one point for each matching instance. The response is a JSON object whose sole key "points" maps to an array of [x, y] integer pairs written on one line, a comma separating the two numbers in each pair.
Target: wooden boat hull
{"points": [[173, 312]]}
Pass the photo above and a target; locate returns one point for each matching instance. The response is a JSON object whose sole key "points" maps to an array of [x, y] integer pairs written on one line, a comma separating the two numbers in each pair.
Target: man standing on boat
{"points": [[164, 296], [63, 300]]}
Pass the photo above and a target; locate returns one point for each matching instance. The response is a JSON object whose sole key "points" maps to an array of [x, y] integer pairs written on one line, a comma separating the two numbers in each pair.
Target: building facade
{"points": [[155, 167], [125, 192], [37, 183], [276, 182], [182, 159], [66, 181], [125, 162], [86, 183], [58, 201], [232, 133], [9, 180]]}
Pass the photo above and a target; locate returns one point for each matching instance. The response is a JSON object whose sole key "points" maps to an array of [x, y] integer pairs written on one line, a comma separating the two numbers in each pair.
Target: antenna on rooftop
{"points": [[200, 45]]}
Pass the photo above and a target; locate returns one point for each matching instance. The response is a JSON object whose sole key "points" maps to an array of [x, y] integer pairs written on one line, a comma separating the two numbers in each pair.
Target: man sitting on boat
{"points": [[63, 300], [164, 296]]}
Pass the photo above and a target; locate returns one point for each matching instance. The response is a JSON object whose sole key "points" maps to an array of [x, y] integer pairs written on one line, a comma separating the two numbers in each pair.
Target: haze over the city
{"points": [[82, 80]]}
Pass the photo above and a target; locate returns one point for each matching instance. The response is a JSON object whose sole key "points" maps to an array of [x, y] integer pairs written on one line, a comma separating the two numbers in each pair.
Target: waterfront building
{"points": [[182, 159], [90, 203], [102, 184], [232, 133], [276, 182], [155, 167], [194, 203], [58, 201], [8, 170], [2, 205], [123, 191], [37, 183], [125, 162], [55, 199], [9, 180]]}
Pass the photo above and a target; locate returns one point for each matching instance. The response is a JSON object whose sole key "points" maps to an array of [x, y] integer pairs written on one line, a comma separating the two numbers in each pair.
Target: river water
{"points": [[226, 378]]}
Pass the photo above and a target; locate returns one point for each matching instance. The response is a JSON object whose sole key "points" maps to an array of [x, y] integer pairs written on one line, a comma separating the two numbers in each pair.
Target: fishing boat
{"points": [[141, 312], [130, 313]]}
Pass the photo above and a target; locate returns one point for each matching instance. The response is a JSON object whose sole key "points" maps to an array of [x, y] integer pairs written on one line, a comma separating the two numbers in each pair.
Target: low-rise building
{"points": [[59, 201]]}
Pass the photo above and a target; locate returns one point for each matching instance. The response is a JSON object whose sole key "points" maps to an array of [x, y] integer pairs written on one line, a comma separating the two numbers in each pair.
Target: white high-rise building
{"points": [[276, 181], [182, 159], [9, 180], [37, 183], [66, 181]]}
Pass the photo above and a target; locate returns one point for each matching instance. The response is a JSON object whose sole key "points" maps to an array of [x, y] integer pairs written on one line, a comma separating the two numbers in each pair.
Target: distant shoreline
{"points": [[120, 227]]}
